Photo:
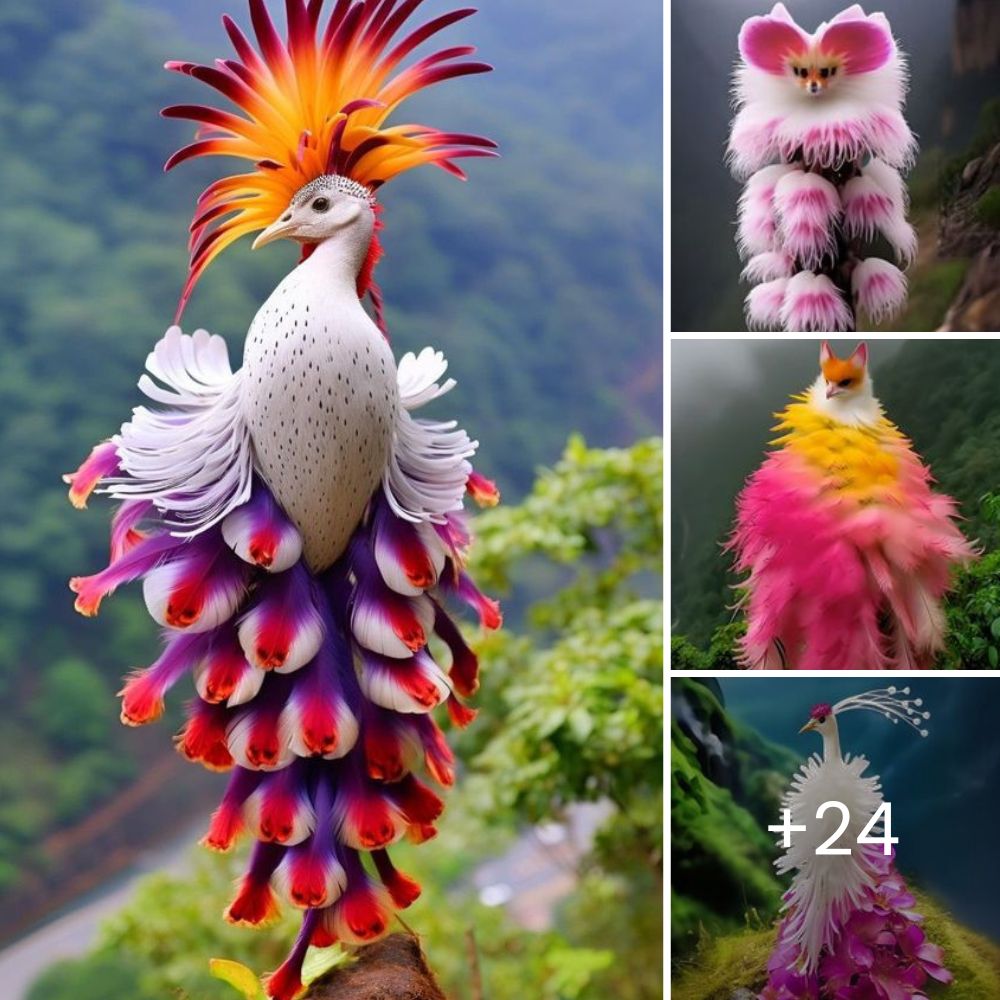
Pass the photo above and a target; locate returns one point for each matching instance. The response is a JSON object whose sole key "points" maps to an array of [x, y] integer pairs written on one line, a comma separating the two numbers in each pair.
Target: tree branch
{"points": [[391, 969]]}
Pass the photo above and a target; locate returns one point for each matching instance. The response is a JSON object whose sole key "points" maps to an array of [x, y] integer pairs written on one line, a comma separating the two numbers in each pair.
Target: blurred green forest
{"points": [[540, 279], [941, 394], [570, 711]]}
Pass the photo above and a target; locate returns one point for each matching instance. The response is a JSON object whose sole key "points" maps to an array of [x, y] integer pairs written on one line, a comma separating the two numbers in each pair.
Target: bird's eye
{"points": [[833, 71], [844, 383], [321, 204], [821, 719], [824, 72]]}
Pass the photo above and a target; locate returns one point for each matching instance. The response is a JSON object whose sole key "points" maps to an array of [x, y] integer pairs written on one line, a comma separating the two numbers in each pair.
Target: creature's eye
{"points": [[833, 71], [821, 719], [824, 72], [845, 382], [321, 204]]}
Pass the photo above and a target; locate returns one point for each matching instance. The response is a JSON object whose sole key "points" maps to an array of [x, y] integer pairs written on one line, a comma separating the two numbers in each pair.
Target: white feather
{"points": [[374, 631], [381, 687], [237, 530], [428, 465], [193, 460], [220, 606]]}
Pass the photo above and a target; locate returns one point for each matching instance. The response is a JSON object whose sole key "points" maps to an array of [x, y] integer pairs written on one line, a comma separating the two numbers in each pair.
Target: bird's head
{"points": [[330, 207], [821, 720], [845, 379]]}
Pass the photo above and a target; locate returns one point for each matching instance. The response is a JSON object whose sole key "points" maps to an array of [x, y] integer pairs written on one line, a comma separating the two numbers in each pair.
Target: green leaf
{"points": [[993, 656], [319, 961], [582, 723], [995, 628], [237, 975]]}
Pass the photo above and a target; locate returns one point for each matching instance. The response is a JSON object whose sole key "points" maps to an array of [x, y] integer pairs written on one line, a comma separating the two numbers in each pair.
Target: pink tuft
{"points": [[804, 195], [758, 224], [808, 206], [879, 289], [483, 491], [768, 266], [821, 711], [814, 304], [764, 303], [867, 207], [99, 464]]}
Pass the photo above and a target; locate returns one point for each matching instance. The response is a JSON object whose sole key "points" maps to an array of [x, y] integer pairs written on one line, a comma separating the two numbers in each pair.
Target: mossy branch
{"points": [[391, 969]]}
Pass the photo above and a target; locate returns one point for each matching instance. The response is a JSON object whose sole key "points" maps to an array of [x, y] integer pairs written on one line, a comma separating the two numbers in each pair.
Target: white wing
{"points": [[428, 467], [193, 459]]}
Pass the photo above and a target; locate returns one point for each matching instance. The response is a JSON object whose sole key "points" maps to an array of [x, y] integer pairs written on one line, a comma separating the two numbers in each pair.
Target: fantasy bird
{"points": [[297, 528], [820, 140], [849, 929], [847, 549]]}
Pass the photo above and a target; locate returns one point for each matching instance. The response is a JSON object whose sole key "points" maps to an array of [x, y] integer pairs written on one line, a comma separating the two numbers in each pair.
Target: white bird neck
{"points": [[336, 262], [831, 743]]}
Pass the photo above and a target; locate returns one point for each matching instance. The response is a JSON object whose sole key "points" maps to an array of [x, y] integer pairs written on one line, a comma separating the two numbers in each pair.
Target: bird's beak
{"points": [[808, 727], [278, 229], [832, 389]]}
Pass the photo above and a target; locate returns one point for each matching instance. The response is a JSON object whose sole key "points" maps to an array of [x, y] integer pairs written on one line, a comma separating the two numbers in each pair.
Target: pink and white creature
{"points": [[820, 140]]}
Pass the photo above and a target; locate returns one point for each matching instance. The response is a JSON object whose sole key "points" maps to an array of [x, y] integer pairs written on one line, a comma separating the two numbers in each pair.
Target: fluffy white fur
{"points": [[775, 116], [858, 407]]}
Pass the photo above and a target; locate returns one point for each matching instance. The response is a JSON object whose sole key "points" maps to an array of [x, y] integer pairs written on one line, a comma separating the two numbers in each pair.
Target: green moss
{"points": [[973, 958], [987, 209], [932, 290], [723, 964]]}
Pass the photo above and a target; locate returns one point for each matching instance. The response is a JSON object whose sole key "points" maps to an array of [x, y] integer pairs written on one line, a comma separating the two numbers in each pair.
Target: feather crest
{"points": [[315, 103]]}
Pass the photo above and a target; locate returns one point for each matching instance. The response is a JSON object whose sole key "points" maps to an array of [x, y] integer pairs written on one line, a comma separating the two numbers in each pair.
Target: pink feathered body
{"points": [[848, 550]]}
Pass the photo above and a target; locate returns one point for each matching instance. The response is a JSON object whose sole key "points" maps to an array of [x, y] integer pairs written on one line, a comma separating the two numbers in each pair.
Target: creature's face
{"points": [[851, 44], [821, 720], [815, 73], [844, 379], [328, 207]]}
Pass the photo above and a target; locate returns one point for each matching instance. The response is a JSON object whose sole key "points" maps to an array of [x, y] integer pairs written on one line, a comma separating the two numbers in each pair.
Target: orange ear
{"points": [[860, 355], [825, 354]]}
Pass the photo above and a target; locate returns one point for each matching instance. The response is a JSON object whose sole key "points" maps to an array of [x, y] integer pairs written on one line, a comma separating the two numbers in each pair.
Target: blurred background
{"points": [[724, 395], [540, 279], [953, 106], [734, 748]]}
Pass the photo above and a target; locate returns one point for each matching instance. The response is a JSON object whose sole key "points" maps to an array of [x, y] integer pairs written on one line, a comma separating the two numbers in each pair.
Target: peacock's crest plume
{"points": [[314, 104]]}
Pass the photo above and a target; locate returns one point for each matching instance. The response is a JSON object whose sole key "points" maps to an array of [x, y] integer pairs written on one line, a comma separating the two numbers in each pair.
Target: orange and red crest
{"points": [[315, 103]]}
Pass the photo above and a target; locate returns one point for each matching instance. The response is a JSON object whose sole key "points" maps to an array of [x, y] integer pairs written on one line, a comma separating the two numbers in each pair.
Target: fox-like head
{"points": [[844, 378], [815, 72], [851, 44]]}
